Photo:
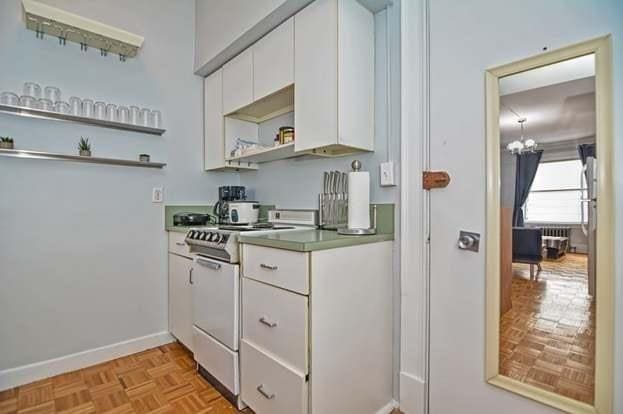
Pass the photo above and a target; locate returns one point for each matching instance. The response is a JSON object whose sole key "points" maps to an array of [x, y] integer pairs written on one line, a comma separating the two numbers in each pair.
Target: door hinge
{"points": [[435, 179]]}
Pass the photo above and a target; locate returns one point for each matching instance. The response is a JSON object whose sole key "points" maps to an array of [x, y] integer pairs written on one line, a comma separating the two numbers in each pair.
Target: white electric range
{"points": [[216, 294]]}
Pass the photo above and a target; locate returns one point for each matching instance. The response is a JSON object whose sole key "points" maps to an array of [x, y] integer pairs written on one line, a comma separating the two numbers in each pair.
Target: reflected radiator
{"points": [[557, 231]]}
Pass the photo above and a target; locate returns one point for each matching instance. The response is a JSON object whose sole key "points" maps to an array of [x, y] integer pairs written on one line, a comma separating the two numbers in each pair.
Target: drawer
{"points": [[177, 244], [281, 268], [220, 361], [268, 386], [275, 320]]}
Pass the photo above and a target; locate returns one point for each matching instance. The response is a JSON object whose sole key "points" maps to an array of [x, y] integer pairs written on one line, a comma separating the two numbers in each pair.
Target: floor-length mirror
{"points": [[548, 227]]}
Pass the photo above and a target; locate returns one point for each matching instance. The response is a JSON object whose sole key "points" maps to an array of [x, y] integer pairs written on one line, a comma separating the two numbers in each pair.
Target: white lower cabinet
{"points": [[180, 299], [317, 330], [276, 320], [269, 386]]}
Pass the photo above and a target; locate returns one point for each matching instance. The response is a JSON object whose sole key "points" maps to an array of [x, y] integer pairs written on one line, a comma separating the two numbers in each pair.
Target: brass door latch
{"points": [[435, 179]]}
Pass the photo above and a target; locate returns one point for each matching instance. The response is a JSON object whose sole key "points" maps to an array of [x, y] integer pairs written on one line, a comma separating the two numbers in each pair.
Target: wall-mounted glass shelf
{"points": [[41, 114], [16, 153]]}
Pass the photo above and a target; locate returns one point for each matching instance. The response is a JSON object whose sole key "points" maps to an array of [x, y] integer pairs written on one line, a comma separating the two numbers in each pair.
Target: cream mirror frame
{"points": [[601, 48]]}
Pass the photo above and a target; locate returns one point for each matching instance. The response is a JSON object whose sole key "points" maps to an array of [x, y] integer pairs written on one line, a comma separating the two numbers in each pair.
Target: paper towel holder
{"points": [[360, 232], [356, 164]]}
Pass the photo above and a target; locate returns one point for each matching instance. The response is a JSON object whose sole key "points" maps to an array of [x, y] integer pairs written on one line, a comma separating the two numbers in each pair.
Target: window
{"points": [[556, 193]]}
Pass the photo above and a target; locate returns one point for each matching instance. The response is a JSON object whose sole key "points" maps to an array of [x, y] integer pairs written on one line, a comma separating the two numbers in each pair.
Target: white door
{"points": [[216, 300], [180, 299], [457, 380]]}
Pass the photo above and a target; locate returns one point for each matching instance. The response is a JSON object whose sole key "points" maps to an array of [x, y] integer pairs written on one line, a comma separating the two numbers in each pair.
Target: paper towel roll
{"points": [[359, 200]]}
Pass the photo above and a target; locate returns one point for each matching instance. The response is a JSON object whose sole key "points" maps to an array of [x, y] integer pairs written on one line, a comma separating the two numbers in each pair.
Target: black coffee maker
{"points": [[227, 194]]}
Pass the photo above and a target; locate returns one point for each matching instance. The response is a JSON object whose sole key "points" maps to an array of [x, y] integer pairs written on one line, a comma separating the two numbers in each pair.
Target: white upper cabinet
{"points": [[214, 125], [334, 77], [273, 61], [238, 82]]}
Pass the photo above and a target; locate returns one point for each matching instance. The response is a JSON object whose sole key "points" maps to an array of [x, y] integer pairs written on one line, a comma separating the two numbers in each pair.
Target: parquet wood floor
{"points": [[162, 380], [547, 339]]}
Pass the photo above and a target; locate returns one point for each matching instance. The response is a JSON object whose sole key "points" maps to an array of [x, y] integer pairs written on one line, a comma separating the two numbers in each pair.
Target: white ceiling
{"points": [[560, 112], [568, 70]]}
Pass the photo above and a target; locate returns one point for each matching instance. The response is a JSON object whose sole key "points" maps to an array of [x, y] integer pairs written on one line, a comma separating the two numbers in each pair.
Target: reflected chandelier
{"points": [[522, 144]]}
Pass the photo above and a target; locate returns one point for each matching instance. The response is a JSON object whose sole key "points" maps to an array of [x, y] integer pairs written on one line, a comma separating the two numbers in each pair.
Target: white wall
{"points": [[466, 39], [82, 248]]}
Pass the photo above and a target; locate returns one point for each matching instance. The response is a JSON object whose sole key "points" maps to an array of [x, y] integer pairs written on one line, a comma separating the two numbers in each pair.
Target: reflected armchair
{"points": [[528, 248]]}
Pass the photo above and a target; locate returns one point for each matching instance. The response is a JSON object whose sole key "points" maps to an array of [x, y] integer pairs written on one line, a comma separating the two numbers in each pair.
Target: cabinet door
{"points": [[214, 125], [273, 61], [180, 299], [238, 82], [315, 75]]}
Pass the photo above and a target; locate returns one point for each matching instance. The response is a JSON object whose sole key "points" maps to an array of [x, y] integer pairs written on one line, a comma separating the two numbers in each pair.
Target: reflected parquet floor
{"points": [[547, 339]]}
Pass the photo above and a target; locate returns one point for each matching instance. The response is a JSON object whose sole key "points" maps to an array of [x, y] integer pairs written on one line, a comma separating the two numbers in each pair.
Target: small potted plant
{"points": [[84, 147], [6, 142]]}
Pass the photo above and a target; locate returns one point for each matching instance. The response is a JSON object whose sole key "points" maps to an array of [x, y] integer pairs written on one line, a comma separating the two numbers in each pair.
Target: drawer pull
{"points": [[268, 267], [260, 389], [268, 323], [180, 243]]}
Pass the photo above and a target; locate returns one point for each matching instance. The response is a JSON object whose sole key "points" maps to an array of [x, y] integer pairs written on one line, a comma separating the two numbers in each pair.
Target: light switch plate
{"points": [[157, 195], [387, 174]]}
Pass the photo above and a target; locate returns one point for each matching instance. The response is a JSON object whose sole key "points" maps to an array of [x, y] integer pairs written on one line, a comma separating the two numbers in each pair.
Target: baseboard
{"points": [[412, 394], [388, 408], [14, 377]]}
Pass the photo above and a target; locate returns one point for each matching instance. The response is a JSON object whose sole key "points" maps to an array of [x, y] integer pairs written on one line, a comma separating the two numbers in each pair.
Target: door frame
{"points": [[601, 47], [414, 206]]}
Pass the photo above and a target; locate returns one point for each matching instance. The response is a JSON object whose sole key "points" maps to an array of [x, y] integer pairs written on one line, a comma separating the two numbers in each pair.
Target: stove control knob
{"points": [[202, 235], [216, 237], [224, 239], [190, 234]]}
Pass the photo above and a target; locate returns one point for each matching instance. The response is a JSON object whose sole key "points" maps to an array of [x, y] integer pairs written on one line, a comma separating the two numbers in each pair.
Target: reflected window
{"points": [[556, 193]]}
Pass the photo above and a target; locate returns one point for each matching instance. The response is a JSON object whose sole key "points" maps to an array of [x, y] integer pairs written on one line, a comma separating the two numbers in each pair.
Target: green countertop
{"points": [[301, 240], [311, 240]]}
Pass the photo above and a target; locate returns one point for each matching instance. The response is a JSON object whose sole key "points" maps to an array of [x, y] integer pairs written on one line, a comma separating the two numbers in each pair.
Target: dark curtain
{"points": [[585, 151], [527, 164]]}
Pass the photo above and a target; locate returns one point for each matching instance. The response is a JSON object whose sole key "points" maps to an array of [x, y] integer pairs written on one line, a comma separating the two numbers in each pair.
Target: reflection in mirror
{"points": [[548, 228]]}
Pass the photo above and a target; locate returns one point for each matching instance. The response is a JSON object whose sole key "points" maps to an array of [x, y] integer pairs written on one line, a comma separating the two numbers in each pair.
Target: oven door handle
{"points": [[209, 263]]}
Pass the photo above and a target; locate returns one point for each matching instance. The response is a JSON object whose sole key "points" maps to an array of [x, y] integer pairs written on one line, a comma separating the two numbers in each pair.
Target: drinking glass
{"points": [[62, 107], [32, 89], [87, 108], [9, 98], [46, 104], [144, 118], [52, 93], [155, 119], [111, 112], [99, 110], [76, 106], [123, 114], [28, 102], [135, 115]]}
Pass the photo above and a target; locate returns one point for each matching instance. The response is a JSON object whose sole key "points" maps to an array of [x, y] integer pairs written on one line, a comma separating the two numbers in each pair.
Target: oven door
{"points": [[216, 300]]}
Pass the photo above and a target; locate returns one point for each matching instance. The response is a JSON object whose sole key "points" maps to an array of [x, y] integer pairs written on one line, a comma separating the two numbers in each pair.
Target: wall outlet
{"points": [[387, 174], [157, 195]]}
